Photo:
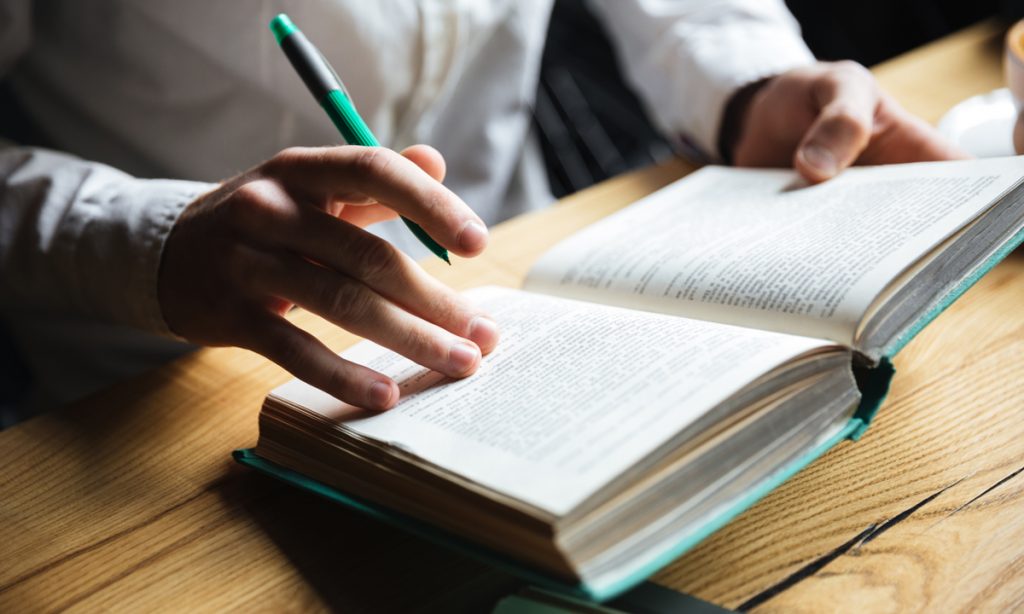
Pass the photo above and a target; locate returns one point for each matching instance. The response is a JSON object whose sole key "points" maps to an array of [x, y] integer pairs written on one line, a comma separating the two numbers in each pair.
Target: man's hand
{"points": [[823, 118], [290, 232]]}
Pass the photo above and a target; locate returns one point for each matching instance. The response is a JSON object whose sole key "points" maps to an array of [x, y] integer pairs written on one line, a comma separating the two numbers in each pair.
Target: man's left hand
{"points": [[825, 117]]}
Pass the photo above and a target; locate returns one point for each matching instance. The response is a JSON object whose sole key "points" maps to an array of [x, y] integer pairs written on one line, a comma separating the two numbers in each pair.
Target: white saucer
{"points": [[982, 125]]}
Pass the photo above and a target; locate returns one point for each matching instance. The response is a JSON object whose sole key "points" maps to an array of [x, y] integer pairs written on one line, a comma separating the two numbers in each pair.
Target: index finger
{"points": [[387, 177]]}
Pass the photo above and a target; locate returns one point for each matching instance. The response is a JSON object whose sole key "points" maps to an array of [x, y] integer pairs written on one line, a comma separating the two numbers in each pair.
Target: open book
{"points": [[662, 369]]}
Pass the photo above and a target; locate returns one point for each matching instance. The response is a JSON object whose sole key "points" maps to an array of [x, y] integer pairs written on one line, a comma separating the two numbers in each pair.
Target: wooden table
{"points": [[130, 501]]}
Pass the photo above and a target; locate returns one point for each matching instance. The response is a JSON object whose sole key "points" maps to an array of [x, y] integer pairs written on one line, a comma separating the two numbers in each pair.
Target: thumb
{"points": [[843, 127]]}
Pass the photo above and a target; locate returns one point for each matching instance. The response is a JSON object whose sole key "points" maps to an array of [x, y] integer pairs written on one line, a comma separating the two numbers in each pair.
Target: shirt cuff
{"points": [[128, 239], [754, 53]]}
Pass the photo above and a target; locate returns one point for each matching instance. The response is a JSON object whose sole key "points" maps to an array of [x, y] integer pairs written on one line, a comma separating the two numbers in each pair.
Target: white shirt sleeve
{"points": [[686, 58], [83, 238], [79, 238]]}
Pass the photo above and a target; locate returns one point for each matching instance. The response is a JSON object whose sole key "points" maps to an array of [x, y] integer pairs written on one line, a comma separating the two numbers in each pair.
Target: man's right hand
{"points": [[290, 231]]}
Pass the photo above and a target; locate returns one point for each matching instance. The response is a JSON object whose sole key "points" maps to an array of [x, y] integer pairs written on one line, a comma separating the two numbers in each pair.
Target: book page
{"points": [[575, 394], [760, 248]]}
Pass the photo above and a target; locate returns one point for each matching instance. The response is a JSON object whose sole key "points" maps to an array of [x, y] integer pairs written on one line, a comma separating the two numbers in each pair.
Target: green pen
{"points": [[328, 89]]}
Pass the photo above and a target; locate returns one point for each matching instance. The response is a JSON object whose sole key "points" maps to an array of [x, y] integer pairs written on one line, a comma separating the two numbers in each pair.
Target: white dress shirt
{"points": [[175, 95]]}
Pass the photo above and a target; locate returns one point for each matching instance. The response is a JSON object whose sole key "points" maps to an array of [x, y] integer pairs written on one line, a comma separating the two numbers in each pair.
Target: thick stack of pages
{"points": [[665, 367]]}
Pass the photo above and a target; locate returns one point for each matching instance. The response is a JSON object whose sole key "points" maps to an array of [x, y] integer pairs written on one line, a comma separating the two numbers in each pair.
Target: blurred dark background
{"points": [[592, 127], [872, 31]]}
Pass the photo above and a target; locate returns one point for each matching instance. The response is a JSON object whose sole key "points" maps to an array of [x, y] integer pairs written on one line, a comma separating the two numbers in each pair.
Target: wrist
{"points": [[734, 117]]}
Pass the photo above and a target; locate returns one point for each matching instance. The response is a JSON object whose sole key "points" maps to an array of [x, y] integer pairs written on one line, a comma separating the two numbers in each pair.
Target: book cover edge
{"points": [[249, 458], [953, 294], [594, 592], [874, 383]]}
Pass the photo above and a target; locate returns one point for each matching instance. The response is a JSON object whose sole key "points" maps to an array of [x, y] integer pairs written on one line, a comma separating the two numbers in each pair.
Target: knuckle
{"points": [[341, 379], [421, 343], [345, 301], [258, 205], [436, 200], [849, 120], [853, 68], [250, 193], [375, 258], [287, 350], [459, 313], [373, 162], [286, 157], [447, 308], [852, 72], [240, 205]]}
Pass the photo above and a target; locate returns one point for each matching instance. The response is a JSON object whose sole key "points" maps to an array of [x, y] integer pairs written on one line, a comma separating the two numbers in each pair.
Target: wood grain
{"points": [[129, 501]]}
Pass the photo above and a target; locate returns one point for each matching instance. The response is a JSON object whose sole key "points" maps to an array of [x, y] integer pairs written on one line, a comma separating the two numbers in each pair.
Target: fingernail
{"points": [[380, 395], [462, 357], [473, 237], [820, 158], [483, 331]]}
